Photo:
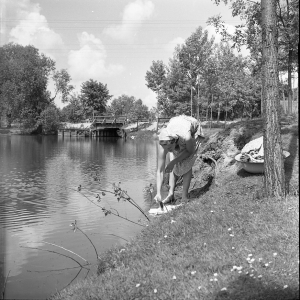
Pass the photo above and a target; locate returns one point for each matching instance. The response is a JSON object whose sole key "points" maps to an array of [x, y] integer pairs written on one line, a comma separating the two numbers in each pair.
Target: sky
{"points": [[111, 41]]}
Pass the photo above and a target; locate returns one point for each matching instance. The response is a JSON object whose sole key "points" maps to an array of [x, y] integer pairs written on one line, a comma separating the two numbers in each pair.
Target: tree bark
{"points": [[274, 176]]}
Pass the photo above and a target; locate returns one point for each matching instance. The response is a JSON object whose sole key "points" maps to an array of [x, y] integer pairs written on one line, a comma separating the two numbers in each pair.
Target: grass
{"points": [[226, 244]]}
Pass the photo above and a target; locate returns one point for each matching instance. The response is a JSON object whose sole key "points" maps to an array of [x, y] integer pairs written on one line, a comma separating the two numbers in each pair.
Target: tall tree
{"points": [[23, 82], [62, 85], [121, 106], [156, 79], [273, 156], [94, 96], [249, 33]]}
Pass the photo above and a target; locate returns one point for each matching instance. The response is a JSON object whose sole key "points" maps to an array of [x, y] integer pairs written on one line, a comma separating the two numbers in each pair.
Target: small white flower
{"points": [[199, 287], [231, 234], [259, 276], [250, 255], [260, 259], [251, 275], [239, 268], [211, 211], [251, 212], [211, 279], [165, 236], [252, 260], [274, 254], [286, 286], [193, 272], [155, 291], [248, 258], [138, 285], [224, 289], [240, 272], [215, 279], [234, 267], [229, 229], [172, 221], [158, 242], [215, 274], [266, 265], [122, 250], [174, 277]]}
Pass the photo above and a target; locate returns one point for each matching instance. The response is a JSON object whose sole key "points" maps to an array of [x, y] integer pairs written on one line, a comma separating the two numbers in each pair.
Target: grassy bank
{"points": [[227, 243]]}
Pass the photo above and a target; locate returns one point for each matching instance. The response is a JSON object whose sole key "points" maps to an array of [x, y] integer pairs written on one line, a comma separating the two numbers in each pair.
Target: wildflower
{"points": [[248, 258], [251, 275], [215, 274], [224, 289], [122, 250], [199, 287], [155, 291], [158, 242], [286, 286], [233, 248], [250, 255], [274, 254], [215, 279], [266, 265], [240, 272], [229, 229], [239, 268], [138, 285], [211, 279], [211, 211], [174, 277], [260, 259], [234, 268], [252, 260], [172, 221], [193, 272], [231, 234], [259, 276], [165, 236]]}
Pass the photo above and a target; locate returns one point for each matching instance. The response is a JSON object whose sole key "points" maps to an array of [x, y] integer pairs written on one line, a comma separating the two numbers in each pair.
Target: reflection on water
{"points": [[39, 199]]}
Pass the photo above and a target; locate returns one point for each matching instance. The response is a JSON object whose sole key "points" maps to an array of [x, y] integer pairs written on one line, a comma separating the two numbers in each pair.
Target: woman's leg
{"points": [[186, 185], [172, 182]]}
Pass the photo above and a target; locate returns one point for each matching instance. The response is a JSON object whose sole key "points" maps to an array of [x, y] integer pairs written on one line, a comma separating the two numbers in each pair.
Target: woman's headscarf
{"points": [[165, 135]]}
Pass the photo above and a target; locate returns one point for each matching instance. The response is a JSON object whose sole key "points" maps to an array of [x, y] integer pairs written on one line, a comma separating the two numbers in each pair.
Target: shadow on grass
{"points": [[246, 288], [293, 150], [242, 173], [198, 192]]}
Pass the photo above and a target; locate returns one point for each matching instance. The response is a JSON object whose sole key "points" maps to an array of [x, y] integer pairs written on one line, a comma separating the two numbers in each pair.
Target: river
{"points": [[39, 199]]}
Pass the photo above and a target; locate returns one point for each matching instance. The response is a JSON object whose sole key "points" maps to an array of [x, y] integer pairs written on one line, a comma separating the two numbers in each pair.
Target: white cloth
{"points": [[254, 145], [167, 208]]}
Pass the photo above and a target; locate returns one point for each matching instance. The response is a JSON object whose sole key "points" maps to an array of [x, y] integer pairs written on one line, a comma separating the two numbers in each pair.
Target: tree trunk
{"points": [[290, 91], [219, 111], [274, 177], [212, 100]]}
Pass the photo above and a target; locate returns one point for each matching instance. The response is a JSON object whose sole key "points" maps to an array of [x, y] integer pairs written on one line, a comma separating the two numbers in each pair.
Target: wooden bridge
{"points": [[99, 126]]}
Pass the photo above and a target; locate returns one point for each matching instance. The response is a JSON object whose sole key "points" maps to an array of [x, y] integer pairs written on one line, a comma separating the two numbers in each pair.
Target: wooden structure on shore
{"points": [[100, 126]]}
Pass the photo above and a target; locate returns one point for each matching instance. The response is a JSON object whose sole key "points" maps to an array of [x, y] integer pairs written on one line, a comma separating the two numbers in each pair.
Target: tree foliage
{"points": [[49, 119], [23, 82], [62, 85], [94, 96], [130, 107]]}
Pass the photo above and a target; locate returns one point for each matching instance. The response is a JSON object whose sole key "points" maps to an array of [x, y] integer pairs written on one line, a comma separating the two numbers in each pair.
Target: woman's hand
{"points": [[157, 198], [170, 166]]}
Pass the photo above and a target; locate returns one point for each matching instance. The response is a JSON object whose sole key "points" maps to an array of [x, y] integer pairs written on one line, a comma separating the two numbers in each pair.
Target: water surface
{"points": [[39, 177]]}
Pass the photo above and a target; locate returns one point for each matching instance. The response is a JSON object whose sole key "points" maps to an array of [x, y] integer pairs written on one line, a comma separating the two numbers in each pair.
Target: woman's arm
{"points": [[189, 150], [161, 161]]}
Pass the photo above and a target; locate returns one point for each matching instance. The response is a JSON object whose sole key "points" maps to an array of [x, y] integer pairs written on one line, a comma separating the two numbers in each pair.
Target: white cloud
{"points": [[33, 29], [170, 46], [89, 61], [218, 38], [133, 16], [150, 100]]}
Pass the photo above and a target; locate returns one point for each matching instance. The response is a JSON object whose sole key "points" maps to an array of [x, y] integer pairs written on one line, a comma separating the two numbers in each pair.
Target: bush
{"points": [[49, 119]]}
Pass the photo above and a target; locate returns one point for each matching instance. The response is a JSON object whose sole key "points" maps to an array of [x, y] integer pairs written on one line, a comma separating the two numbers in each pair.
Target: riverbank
{"points": [[227, 243]]}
